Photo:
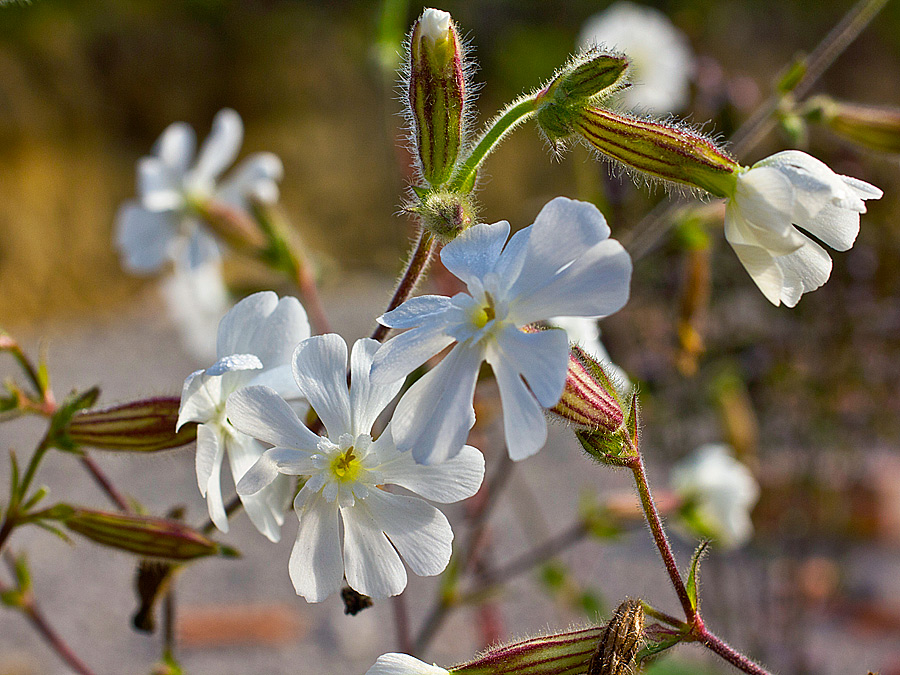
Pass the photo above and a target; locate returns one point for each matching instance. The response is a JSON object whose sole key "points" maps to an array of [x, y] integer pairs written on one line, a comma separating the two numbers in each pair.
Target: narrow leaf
{"points": [[693, 580]]}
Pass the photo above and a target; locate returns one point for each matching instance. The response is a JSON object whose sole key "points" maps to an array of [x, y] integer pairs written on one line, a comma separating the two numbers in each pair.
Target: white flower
{"points": [[586, 334], [403, 664], [721, 492], [149, 231], [792, 188], [661, 60], [346, 470], [255, 342], [564, 264], [435, 25], [196, 299]]}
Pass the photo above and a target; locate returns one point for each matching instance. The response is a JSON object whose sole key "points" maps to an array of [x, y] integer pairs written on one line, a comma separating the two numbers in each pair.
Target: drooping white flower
{"points": [[151, 230], [771, 197], [255, 342], [720, 493], [563, 264], [196, 299], [346, 470], [403, 664], [662, 63]]}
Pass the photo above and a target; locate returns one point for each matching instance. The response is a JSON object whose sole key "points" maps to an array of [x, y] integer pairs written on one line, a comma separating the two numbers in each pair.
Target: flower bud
{"points": [[560, 654], [618, 647], [437, 94], [445, 214], [232, 224], [590, 400], [594, 74], [147, 425], [873, 127], [145, 536]]}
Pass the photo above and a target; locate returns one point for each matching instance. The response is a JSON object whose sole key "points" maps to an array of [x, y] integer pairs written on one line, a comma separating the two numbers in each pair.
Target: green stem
{"points": [[505, 122]]}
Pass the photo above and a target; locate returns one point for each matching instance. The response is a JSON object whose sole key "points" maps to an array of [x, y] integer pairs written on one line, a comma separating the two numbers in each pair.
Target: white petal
{"points": [[523, 419], [175, 147], [595, 284], [765, 198], [474, 253], [834, 225], [451, 481], [367, 399], [158, 186], [416, 311], [760, 265], [238, 326], [200, 249], [266, 516], [210, 452], [262, 324], [804, 270], [542, 358], [433, 418], [320, 369], [281, 379], [316, 567], [261, 413], [144, 238], [200, 398], [403, 664], [221, 147], [420, 532], [371, 564], [257, 176], [861, 188], [509, 266], [403, 353]]}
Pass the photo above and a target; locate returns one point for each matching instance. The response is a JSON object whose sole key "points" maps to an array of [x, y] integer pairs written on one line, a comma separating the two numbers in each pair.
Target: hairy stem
{"points": [[105, 484], [415, 268], [730, 654]]}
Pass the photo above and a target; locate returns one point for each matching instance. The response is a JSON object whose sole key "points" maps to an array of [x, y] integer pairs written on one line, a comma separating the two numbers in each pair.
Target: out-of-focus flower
{"points": [[661, 60], [563, 264], [403, 664], [719, 493], [792, 188], [196, 299], [346, 472], [255, 342], [152, 230]]}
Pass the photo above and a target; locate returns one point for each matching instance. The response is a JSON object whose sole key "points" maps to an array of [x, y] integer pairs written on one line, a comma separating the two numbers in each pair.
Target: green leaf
{"points": [[23, 574], [12, 598], [792, 76], [38, 495], [693, 580], [553, 576]]}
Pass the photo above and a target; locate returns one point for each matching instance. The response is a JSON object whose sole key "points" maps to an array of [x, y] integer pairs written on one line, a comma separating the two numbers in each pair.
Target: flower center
{"points": [[484, 314], [346, 466]]}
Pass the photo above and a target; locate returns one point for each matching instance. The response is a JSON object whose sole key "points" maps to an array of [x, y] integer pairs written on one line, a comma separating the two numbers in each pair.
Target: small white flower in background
{"points": [[403, 664], [196, 299], [720, 493], [563, 264], [662, 63], [586, 334], [346, 470], [150, 230], [792, 188], [255, 342]]}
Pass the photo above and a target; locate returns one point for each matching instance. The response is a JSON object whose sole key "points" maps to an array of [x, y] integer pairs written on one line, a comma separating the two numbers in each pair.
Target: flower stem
{"points": [[730, 654], [415, 268], [505, 122], [105, 484], [309, 294], [662, 541]]}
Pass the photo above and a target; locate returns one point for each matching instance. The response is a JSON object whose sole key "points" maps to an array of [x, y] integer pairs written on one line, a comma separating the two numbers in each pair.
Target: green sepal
{"points": [[74, 402], [792, 76]]}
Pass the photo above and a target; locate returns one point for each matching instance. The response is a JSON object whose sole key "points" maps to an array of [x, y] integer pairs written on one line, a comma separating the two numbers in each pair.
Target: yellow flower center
{"points": [[484, 314], [346, 466]]}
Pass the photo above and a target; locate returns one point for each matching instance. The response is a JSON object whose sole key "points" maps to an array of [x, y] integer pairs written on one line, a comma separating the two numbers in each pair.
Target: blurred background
{"points": [[808, 397]]}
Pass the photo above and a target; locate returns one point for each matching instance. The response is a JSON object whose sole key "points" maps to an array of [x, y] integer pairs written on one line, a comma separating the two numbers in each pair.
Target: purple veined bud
{"points": [[590, 401], [437, 94], [621, 640], [145, 536], [873, 127], [147, 425]]}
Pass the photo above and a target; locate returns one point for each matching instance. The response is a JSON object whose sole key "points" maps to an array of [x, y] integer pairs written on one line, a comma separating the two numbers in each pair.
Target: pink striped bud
{"points": [[561, 654], [590, 400], [147, 425]]}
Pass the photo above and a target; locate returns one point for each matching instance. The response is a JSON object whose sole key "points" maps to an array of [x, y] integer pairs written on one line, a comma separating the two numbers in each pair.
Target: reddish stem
{"points": [[415, 268]]}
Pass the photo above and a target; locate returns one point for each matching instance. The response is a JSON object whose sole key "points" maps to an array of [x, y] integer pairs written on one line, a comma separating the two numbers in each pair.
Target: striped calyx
{"points": [[617, 650], [437, 94], [873, 127], [562, 654], [147, 425], [590, 400], [664, 151]]}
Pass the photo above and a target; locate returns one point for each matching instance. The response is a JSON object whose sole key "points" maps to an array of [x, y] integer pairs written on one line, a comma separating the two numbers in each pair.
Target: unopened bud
{"points": [[592, 75], [567, 652], [873, 127], [618, 647], [147, 425], [590, 400], [445, 214], [437, 94], [233, 225], [145, 536]]}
